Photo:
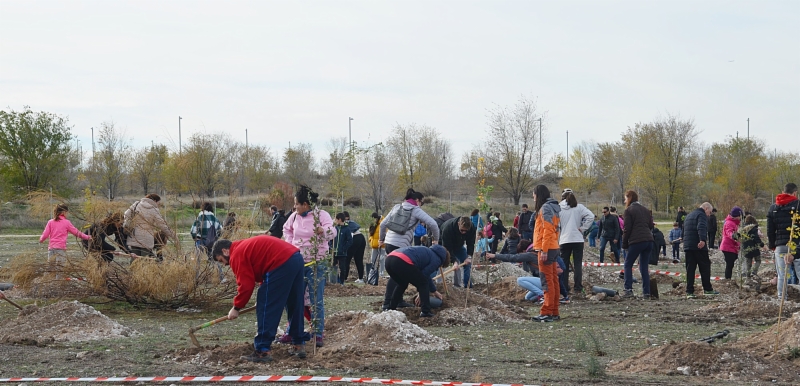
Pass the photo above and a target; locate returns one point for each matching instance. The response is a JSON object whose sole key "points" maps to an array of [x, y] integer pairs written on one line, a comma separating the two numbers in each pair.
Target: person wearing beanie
{"points": [[414, 265], [729, 245]]}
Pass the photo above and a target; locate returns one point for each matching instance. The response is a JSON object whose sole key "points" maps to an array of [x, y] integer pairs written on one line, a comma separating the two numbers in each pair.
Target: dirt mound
{"points": [[384, 331], [229, 357], [355, 289], [61, 322], [763, 343], [507, 291], [601, 275], [703, 359], [753, 308], [495, 272], [467, 305]]}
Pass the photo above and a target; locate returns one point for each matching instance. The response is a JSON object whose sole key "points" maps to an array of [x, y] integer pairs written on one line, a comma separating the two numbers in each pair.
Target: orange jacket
{"points": [[545, 234]]}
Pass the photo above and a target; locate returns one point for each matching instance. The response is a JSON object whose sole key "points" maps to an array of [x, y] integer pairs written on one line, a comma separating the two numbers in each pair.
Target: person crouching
{"points": [[414, 265], [278, 266]]}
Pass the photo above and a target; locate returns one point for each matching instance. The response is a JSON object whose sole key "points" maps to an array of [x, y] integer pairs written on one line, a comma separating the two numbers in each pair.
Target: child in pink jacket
{"points": [[57, 230]]}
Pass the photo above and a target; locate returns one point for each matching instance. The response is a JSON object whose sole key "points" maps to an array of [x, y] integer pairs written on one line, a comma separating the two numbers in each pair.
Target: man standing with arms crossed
{"points": [[695, 247]]}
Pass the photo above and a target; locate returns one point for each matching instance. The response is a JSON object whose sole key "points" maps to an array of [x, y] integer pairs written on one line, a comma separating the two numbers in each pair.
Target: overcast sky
{"points": [[296, 70]]}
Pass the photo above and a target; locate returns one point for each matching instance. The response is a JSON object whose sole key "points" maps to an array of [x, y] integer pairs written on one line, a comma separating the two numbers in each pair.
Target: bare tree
{"points": [[423, 158], [512, 160], [380, 175], [109, 164], [298, 164], [202, 162], [146, 167]]}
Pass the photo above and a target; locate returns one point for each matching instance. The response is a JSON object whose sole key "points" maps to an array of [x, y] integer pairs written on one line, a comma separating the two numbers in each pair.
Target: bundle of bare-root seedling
{"points": [[177, 281]]}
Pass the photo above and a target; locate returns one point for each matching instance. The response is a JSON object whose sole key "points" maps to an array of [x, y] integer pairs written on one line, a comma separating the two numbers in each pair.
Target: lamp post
{"points": [[92, 142], [180, 148], [350, 132], [566, 159], [540, 145], [748, 129]]}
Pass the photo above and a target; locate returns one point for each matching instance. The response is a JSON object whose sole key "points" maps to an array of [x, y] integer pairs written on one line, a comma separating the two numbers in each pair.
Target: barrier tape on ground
{"points": [[256, 378]]}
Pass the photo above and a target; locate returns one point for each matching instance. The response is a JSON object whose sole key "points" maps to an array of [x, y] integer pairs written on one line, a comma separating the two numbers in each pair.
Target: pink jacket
{"points": [[57, 232], [299, 231], [730, 227]]}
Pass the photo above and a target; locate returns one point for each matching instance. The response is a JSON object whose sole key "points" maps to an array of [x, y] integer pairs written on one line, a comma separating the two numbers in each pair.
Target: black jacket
{"points": [[276, 228], [680, 218], [779, 220], [525, 221], [712, 225], [453, 240], [752, 243], [510, 246], [695, 230], [498, 229], [609, 227], [638, 225]]}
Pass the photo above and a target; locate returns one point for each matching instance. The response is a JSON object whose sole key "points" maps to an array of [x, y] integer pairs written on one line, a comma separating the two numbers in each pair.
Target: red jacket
{"points": [[252, 258]]}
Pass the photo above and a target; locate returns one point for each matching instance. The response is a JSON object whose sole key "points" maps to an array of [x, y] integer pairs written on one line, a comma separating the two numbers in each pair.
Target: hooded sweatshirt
{"points": [[545, 233], [427, 260], [58, 230], [574, 221], [730, 227], [779, 219], [299, 231], [418, 215]]}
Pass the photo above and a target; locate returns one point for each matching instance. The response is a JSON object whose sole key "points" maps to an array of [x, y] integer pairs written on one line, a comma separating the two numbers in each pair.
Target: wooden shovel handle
{"points": [[218, 320]]}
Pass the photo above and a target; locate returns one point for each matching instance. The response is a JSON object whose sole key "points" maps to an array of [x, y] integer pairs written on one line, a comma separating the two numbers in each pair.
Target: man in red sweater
{"points": [[278, 266]]}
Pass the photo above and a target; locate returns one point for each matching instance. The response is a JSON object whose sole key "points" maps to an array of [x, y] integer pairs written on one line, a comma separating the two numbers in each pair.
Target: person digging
{"points": [[414, 265], [278, 266]]}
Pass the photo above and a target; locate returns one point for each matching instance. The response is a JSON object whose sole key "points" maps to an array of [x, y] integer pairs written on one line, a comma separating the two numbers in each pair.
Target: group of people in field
{"points": [[290, 261]]}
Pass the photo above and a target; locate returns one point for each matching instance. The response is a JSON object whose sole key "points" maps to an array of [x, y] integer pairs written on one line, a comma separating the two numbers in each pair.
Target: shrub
{"points": [[353, 202], [326, 202]]}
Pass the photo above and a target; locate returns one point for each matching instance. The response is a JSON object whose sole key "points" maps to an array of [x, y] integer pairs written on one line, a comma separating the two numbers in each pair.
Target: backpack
{"points": [[128, 227], [211, 236], [399, 220], [487, 230]]}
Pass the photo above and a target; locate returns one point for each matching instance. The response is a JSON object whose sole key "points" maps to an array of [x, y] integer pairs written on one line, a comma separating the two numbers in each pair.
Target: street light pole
{"points": [[350, 132], [540, 145], [180, 148], [246, 145], [748, 129], [566, 159], [92, 142]]}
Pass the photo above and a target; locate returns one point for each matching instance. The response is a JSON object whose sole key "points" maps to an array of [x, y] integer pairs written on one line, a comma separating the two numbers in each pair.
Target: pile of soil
{"points": [[351, 338], [385, 331], [348, 290], [463, 308], [507, 291], [495, 272], [703, 359], [763, 343], [61, 322], [752, 308], [600, 275]]}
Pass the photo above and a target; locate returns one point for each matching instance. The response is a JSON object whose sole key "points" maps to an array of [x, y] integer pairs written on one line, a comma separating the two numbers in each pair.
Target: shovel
{"points": [[12, 302], [211, 323]]}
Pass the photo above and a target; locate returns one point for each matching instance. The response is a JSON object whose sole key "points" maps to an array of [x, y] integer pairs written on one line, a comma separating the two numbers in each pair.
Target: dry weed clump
{"points": [[175, 282]]}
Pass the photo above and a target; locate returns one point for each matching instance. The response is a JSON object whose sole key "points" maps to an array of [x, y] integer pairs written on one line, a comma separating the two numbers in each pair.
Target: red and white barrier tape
{"points": [[257, 378]]}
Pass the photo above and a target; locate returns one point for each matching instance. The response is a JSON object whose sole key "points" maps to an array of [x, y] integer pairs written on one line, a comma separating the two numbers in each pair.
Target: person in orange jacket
{"points": [[545, 242]]}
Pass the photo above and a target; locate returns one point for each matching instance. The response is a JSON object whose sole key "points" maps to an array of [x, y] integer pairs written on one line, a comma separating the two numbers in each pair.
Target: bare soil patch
{"points": [[61, 322]]}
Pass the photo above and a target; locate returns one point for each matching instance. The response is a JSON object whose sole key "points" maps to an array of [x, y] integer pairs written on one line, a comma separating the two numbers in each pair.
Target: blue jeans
{"points": [[635, 251], [282, 287], [461, 255], [526, 235], [784, 271], [532, 284], [603, 242], [317, 302], [592, 238]]}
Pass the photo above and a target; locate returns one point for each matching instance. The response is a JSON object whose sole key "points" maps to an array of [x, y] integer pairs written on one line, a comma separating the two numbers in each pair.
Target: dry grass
{"points": [[176, 282]]}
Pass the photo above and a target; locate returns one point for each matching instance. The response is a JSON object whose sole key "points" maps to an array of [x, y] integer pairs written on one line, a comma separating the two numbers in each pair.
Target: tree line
{"points": [[661, 159]]}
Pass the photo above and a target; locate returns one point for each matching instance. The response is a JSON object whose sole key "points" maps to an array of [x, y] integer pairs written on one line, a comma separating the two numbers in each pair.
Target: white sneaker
{"points": [[359, 281]]}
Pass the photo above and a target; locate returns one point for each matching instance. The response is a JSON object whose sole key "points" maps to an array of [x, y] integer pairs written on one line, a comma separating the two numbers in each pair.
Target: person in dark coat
{"points": [[341, 244], [637, 238], [681, 217], [414, 265], [712, 229], [497, 231], [609, 233], [458, 238], [109, 226], [751, 247], [695, 247], [525, 230], [278, 219], [779, 233]]}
